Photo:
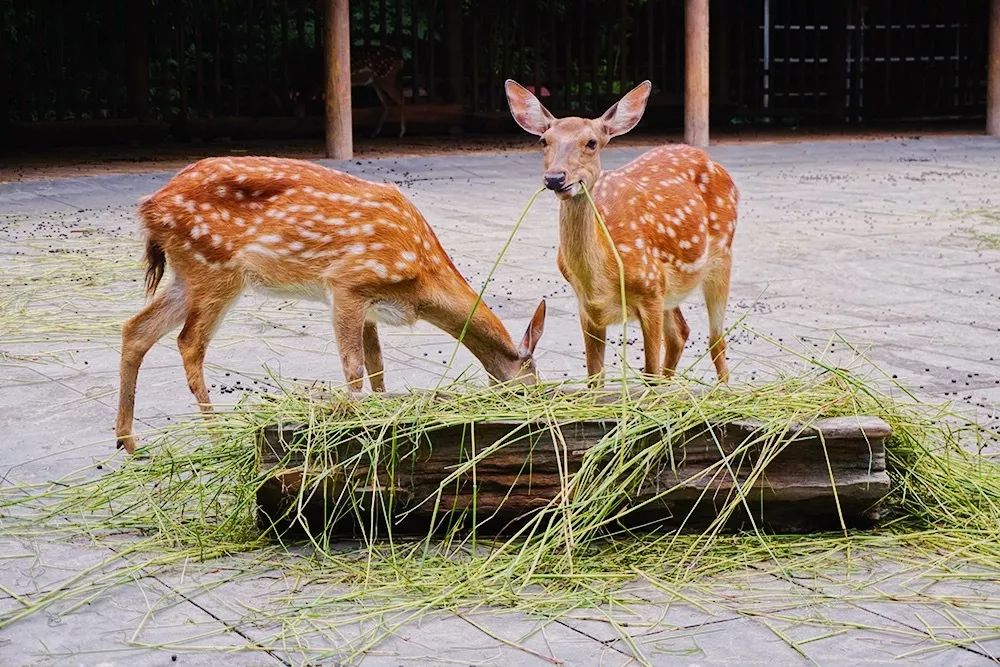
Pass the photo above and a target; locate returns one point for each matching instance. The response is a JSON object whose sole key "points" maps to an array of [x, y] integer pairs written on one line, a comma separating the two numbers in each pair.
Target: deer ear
{"points": [[526, 109], [626, 112], [534, 332]]}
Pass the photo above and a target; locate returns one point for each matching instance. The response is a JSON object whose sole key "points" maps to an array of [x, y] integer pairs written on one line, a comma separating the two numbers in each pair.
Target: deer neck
{"points": [[485, 335], [582, 245], [488, 340]]}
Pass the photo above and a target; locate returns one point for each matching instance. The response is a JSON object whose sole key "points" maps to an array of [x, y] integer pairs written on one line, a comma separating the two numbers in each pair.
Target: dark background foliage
{"points": [[772, 60]]}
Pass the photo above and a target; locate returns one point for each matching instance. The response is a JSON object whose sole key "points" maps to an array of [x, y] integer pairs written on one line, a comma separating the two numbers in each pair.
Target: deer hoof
{"points": [[126, 442]]}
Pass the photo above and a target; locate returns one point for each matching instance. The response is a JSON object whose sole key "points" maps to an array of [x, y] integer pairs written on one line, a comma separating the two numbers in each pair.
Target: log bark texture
{"points": [[794, 494]]}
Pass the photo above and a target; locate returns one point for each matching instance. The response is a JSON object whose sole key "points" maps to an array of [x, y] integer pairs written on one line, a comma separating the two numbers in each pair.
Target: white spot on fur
{"points": [[258, 249]]}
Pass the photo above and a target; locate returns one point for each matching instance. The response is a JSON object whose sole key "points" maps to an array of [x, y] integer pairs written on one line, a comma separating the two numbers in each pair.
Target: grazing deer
{"points": [[225, 223], [380, 68], [671, 214]]}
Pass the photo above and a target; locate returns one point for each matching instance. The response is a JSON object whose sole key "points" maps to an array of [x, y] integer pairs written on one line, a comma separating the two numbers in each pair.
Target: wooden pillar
{"points": [[696, 73], [339, 143], [993, 75]]}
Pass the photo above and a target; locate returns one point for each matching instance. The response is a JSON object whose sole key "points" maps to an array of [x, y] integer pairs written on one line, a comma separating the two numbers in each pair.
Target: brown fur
{"points": [[225, 223], [156, 261], [671, 214]]}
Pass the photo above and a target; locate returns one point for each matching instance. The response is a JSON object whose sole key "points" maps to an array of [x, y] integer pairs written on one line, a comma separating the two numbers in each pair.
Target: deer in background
{"points": [[671, 214], [380, 68], [222, 224], [374, 66]]}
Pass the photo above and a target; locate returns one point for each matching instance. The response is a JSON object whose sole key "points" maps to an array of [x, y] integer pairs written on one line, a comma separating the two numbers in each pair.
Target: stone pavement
{"points": [[873, 245]]}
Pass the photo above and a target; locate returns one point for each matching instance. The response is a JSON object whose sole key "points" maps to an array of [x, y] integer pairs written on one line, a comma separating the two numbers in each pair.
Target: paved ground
{"points": [[882, 244]]}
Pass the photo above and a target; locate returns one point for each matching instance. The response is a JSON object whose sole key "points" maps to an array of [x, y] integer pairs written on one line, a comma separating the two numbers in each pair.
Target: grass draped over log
{"points": [[188, 498]]}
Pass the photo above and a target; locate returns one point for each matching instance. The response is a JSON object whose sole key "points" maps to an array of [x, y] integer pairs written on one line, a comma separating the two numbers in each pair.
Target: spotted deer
{"points": [[373, 66], [380, 68], [671, 214], [223, 224]]}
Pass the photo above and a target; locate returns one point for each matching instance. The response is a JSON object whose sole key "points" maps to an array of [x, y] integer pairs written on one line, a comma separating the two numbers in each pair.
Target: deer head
{"points": [[572, 145], [527, 372]]}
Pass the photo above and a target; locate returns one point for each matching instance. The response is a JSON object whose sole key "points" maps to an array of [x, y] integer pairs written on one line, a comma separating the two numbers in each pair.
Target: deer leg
{"points": [[675, 335], [204, 315], [166, 311], [651, 321], [594, 343], [348, 327], [373, 356], [385, 108], [394, 90], [716, 291]]}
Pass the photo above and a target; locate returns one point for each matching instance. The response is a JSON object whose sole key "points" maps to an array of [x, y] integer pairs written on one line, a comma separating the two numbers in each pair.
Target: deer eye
{"points": [[592, 144], [542, 141]]}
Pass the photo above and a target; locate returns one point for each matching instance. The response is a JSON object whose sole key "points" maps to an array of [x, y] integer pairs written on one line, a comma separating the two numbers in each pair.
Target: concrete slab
{"points": [[860, 239]]}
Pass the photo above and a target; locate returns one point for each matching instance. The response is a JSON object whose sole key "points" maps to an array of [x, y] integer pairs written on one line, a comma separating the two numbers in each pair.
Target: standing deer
{"points": [[380, 68], [373, 66], [224, 223], [671, 214]]}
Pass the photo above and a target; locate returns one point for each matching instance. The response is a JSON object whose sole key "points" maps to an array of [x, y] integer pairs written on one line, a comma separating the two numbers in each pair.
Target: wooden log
{"points": [[339, 141], [794, 494], [993, 73], [696, 93]]}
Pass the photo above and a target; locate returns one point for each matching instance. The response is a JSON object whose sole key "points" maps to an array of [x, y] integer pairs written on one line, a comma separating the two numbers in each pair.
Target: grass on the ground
{"points": [[185, 507]]}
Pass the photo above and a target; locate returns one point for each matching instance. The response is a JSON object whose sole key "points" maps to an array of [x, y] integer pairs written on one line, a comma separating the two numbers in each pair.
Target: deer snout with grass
{"points": [[670, 215], [223, 224]]}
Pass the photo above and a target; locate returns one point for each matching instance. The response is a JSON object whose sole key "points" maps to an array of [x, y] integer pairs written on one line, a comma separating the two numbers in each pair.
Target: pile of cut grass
{"points": [[187, 500]]}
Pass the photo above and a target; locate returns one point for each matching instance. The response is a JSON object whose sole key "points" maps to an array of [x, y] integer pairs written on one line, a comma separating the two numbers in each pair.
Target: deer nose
{"points": [[554, 180]]}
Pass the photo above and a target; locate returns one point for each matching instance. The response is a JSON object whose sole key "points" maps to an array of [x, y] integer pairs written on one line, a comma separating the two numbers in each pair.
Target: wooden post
{"points": [[993, 75], [696, 73], [339, 143]]}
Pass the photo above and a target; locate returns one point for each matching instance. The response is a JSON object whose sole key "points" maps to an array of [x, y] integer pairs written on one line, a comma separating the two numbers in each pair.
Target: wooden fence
{"points": [[772, 60]]}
